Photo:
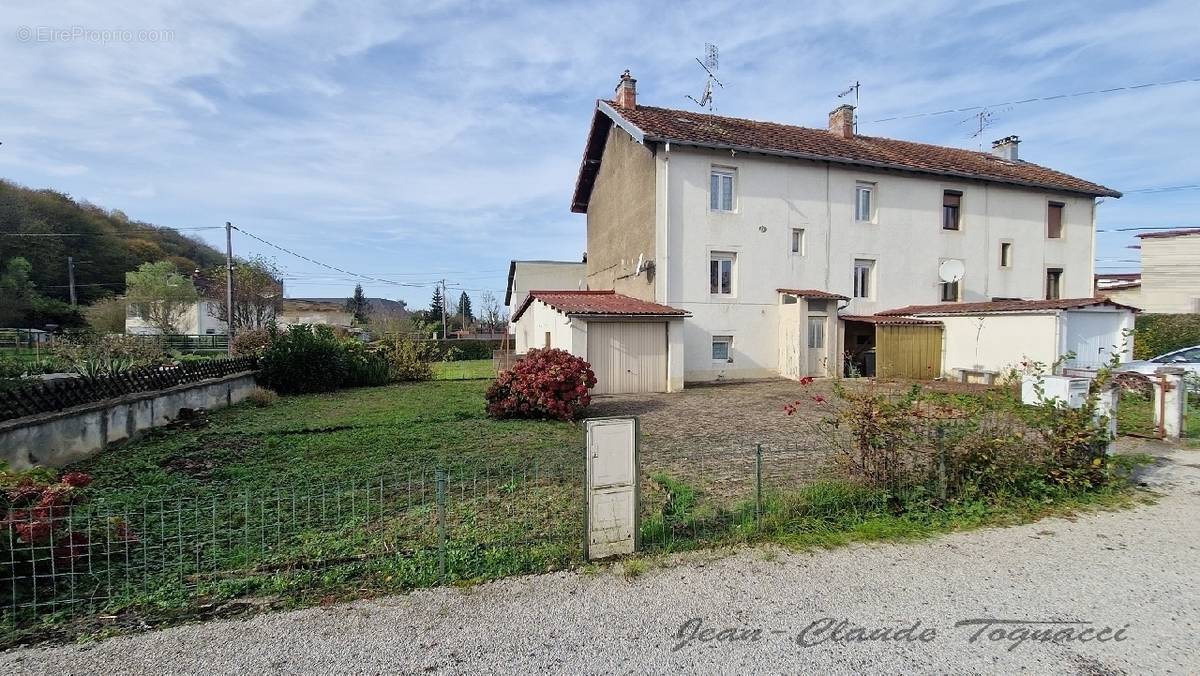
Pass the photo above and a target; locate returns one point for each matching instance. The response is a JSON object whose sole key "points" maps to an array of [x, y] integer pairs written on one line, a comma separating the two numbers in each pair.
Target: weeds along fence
{"points": [[56, 395], [812, 491], [132, 557]]}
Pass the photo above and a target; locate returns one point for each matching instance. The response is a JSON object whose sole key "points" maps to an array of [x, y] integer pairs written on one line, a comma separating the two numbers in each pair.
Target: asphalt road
{"points": [[1129, 577]]}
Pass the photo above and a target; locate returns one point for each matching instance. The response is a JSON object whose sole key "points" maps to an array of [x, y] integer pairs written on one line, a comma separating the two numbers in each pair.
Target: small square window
{"points": [[720, 273], [949, 292], [547, 342], [1054, 220], [722, 348], [720, 190], [864, 202], [798, 241], [1006, 254], [863, 278], [951, 206]]}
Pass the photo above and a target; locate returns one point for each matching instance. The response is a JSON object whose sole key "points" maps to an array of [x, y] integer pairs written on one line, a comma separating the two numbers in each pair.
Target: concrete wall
{"points": [[997, 342], [544, 276], [621, 218], [1170, 274], [63, 437], [906, 241]]}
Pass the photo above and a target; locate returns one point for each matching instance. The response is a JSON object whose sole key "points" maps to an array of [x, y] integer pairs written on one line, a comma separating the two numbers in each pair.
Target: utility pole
{"points": [[445, 335], [71, 277], [229, 286]]}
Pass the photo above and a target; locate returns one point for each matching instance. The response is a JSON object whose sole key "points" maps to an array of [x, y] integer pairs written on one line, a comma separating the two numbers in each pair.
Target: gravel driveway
{"points": [[1134, 571]]}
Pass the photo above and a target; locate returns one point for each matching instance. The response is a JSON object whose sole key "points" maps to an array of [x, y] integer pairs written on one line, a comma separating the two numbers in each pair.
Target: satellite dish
{"points": [[951, 271]]}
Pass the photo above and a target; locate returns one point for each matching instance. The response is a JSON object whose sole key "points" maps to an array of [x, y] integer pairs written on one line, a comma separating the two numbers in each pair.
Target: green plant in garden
{"points": [[408, 360], [1156, 334], [94, 355], [303, 359], [159, 295]]}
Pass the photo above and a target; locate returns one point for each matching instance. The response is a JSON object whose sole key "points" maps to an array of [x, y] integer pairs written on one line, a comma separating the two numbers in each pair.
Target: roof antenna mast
{"points": [[709, 64], [852, 88]]}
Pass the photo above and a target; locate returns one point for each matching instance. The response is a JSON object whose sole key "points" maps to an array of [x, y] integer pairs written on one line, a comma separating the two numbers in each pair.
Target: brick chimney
{"points": [[1006, 148], [626, 94], [841, 121]]}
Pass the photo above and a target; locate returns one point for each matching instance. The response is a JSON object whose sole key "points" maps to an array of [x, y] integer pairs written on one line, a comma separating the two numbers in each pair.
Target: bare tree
{"points": [[492, 314], [257, 294]]}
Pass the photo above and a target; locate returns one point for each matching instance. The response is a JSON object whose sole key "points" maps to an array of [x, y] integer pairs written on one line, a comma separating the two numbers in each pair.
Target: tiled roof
{"points": [[876, 319], [597, 303], [1002, 306], [812, 293], [686, 127], [1170, 233]]}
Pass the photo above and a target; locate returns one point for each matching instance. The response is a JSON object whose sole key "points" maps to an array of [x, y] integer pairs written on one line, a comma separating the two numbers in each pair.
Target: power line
{"points": [[1169, 188], [1089, 92], [326, 265]]}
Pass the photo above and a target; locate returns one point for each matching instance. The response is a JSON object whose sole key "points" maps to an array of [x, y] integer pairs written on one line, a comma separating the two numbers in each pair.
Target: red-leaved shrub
{"points": [[547, 383]]}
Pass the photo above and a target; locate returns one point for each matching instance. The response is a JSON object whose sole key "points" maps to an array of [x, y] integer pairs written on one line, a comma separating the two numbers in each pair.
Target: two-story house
{"points": [[777, 240]]}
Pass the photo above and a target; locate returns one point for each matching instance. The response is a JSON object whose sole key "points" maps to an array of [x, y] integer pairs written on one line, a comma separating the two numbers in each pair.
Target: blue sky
{"points": [[415, 141]]}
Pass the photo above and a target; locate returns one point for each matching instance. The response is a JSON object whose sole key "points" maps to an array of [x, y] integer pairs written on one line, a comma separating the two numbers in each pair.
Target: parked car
{"points": [[1188, 358]]}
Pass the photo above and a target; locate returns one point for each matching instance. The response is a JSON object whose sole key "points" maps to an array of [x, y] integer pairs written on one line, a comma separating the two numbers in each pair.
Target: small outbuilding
{"points": [[633, 345], [982, 339]]}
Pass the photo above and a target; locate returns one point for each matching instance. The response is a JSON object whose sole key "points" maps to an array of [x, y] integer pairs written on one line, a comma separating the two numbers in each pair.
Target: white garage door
{"points": [[1093, 337], [628, 356]]}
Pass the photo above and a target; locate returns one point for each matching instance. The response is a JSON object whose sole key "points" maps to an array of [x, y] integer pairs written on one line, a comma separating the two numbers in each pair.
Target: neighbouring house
{"points": [[327, 311], [1170, 277], [766, 238], [1121, 287], [525, 276], [200, 319]]}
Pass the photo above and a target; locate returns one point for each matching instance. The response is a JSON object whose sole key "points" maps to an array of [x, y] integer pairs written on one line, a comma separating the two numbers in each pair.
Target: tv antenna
{"points": [[846, 92], [710, 65]]}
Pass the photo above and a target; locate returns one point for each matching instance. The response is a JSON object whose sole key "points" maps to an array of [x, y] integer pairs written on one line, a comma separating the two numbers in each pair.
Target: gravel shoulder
{"points": [[1134, 569]]}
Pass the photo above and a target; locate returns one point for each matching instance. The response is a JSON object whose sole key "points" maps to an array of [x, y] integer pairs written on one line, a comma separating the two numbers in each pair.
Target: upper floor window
{"points": [[950, 292], [1053, 283], [951, 203], [864, 202], [798, 241], [1054, 220], [720, 189], [720, 273], [864, 272]]}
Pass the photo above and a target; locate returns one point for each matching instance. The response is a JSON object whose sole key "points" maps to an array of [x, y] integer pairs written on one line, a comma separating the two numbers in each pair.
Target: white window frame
{"points": [[823, 321], [727, 339], [870, 267], [716, 201], [861, 187], [797, 244], [723, 257]]}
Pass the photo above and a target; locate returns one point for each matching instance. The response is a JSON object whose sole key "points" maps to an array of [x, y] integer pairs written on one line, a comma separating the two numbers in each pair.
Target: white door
{"points": [[817, 356], [1093, 337], [628, 357]]}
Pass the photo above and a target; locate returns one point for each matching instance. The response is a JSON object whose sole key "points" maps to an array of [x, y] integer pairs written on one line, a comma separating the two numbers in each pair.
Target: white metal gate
{"points": [[628, 357]]}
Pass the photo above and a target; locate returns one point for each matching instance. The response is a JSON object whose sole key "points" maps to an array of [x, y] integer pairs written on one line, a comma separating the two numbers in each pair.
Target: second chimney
{"points": [[1006, 148], [626, 94], [841, 121]]}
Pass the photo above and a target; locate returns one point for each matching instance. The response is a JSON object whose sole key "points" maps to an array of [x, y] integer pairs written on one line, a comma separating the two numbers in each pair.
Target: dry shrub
{"points": [[262, 397]]}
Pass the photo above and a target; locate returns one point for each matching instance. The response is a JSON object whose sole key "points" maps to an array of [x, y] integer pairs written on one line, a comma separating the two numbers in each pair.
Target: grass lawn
{"points": [[471, 369]]}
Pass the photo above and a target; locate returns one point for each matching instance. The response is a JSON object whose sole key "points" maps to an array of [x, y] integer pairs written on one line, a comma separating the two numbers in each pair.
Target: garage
{"points": [[628, 357], [634, 346]]}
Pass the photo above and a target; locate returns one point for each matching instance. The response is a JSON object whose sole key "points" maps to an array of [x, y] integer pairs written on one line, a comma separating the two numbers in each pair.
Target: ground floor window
{"points": [[1053, 283], [863, 273], [722, 348]]}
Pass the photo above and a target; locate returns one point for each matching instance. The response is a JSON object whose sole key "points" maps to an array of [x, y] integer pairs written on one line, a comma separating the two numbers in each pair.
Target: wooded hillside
{"points": [[105, 244]]}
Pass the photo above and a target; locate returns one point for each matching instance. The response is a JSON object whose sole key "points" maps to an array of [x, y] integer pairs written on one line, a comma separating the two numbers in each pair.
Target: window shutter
{"points": [[1054, 221], [951, 198]]}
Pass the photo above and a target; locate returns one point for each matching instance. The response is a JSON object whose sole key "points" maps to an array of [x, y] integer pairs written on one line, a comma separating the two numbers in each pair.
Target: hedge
{"points": [[1155, 334]]}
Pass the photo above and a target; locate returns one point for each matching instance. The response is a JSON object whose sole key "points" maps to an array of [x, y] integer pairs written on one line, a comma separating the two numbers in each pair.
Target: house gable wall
{"points": [[620, 218], [1170, 274]]}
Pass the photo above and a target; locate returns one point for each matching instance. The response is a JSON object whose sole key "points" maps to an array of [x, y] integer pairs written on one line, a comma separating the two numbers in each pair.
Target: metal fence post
{"points": [[941, 451], [758, 506], [440, 480]]}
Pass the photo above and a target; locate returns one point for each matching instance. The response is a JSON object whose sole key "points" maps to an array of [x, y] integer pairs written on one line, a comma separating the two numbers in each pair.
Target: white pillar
{"points": [[1170, 398], [1107, 401]]}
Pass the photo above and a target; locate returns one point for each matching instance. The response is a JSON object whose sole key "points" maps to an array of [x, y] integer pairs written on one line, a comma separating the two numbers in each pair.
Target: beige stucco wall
{"points": [[1170, 274], [620, 218], [997, 342], [1131, 296], [544, 276]]}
